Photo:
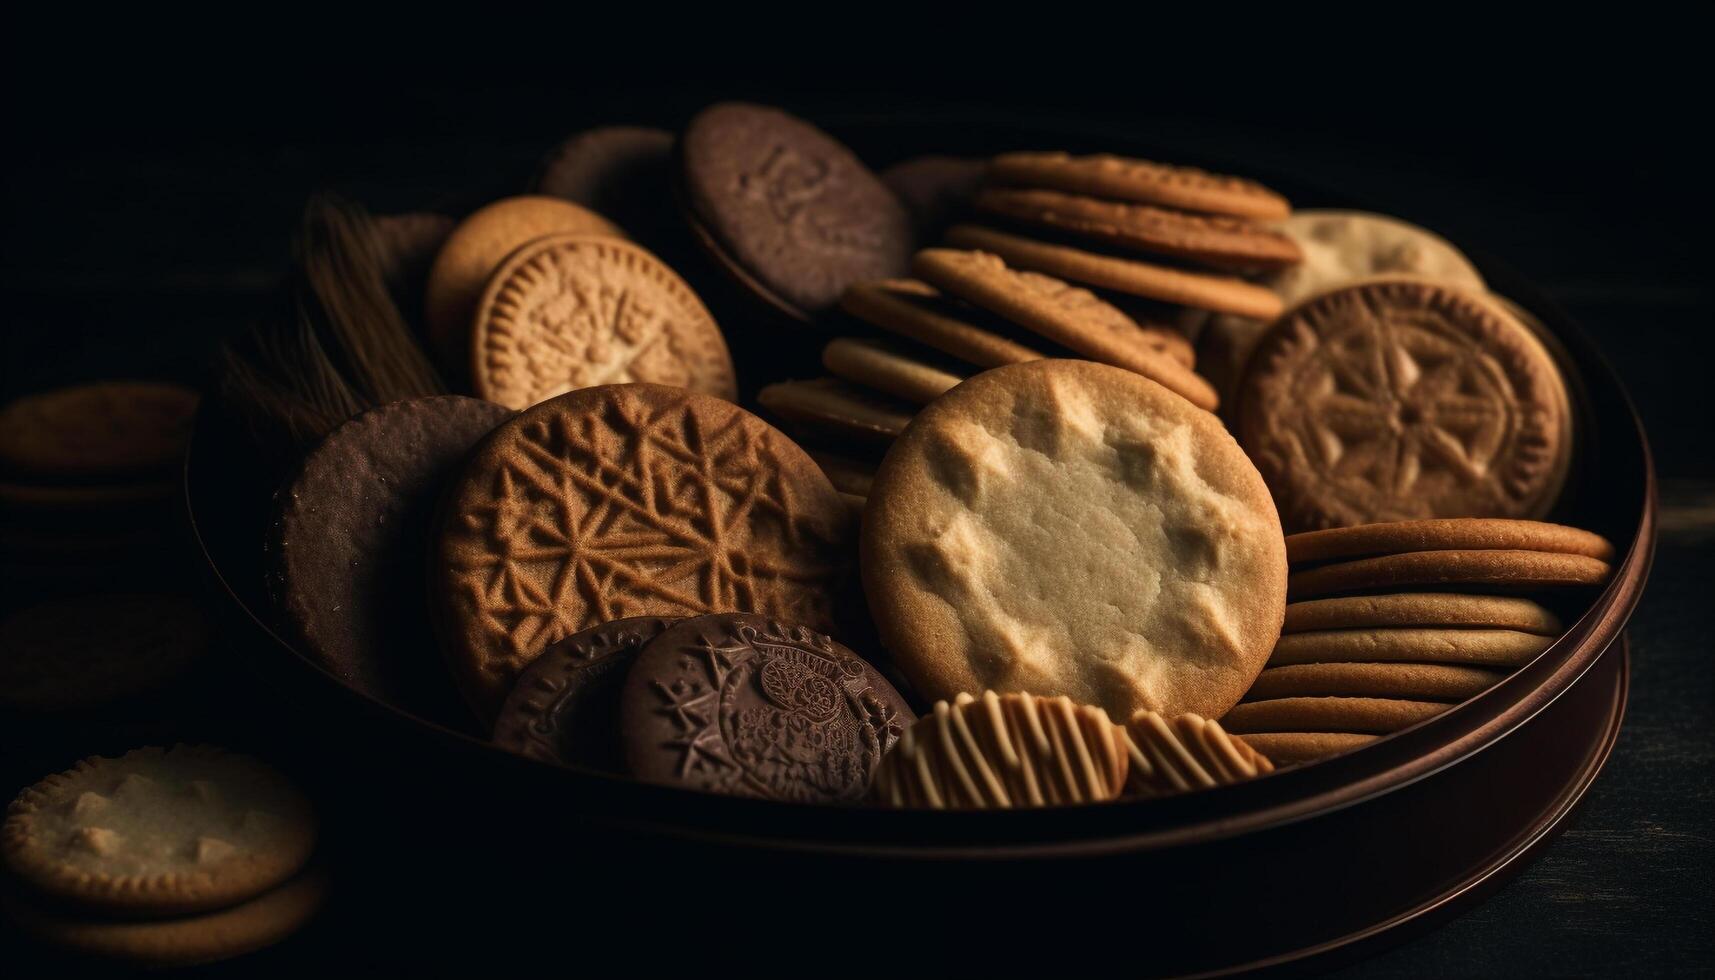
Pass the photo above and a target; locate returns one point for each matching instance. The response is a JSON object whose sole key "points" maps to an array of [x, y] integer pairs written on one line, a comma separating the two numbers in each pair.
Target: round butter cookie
{"points": [[1131, 179], [1423, 682], [1292, 748], [1402, 399], [1446, 534], [918, 311], [1420, 609], [1069, 528], [890, 369], [1502, 571]]}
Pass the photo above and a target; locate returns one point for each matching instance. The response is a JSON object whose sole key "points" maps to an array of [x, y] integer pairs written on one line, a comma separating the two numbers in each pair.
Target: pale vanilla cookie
{"points": [[1410, 644], [889, 368], [1203, 290], [1423, 682], [575, 311], [1131, 179], [159, 831], [1421, 609], [1446, 534], [1072, 317], [1004, 751], [1186, 753], [918, 311], [476, 248], [1339, 248], [1506, 571], [184, 940], [831, 405], [1365, 716], [1068, 528], [1291, 748]]}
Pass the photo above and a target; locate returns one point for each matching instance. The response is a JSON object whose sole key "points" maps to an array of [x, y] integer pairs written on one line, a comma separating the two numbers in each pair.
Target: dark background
{"points": [[148, 202]]}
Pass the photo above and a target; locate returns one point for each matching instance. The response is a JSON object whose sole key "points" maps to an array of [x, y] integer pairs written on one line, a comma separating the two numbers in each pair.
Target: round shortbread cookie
{"points": [[574, 311], [1210, 239], [1506, 571], [1423, 682], [1203, 290], [1065, 314], [1366, 716], [1447, 534], [830, 405], [889, 368], [476, 248], [1290, 748], [1187, 753], [918, 311], [1421, 609], [1064, 527], [1409, 644], [159, 831], [97, 430], [187, 940], [1131, 179]]}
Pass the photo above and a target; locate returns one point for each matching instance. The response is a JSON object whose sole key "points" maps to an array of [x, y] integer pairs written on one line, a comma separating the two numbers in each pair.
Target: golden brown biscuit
{"points": [[1422, 682], [1131, 179], [1187, 753], [1065, 527], [918, 311], [1420, 609], [1446, 534], [830, 405], [1504, 571], [1367, 716], [1479, 647], [889, 368], [1209, 239], [1291, 748]]}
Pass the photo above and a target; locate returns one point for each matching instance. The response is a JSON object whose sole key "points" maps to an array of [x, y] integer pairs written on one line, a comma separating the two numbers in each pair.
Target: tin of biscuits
{"points": [[1501, 571], [1145, 181], [1216, 240]]}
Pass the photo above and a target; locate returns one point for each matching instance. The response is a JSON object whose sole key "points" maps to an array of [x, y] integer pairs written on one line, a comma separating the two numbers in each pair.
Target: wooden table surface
{"points": [[128, 250]]}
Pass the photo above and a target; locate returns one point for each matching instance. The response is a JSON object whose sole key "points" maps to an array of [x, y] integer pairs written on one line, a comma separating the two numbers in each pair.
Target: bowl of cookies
{"points": [[907, 497]]}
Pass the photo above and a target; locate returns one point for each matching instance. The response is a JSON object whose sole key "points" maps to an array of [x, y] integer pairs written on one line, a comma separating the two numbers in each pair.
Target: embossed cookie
{"points": [[918, 311], [621, 501], [1209, 239], [93, 650], [1399, 400], [1501, 571], [1064, 314], [97, 430], [1131, 179], [350, 539], [565, 707], [790, 207], [750, 706], [1201, 290], [890, 369], [831, 405], [1005, 751], [1420, 609], [1065, 527], [934, 188], [622, 172], [159, 831], [1461, 533], [574, 311], [476, 248], [1185, 753]]}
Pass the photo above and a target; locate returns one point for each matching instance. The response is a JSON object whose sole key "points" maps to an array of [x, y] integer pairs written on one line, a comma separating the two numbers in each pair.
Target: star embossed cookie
{"points": [[159, 831], [621, 501], [1064, 527]]}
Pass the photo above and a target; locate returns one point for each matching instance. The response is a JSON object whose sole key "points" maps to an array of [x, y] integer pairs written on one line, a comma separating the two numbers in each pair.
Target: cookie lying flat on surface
{"points": [[185, 940], [1065, 527], [1065, 314], [1482, 647], [350, 541], [575, 311], [475, 249], [789, 207], [1423, 682], [1400, 400], [621, 501], [1420, 609], [565, 707], [120, 428], [888, 368], [1504, 571], [1209, 239], [1367, 716], [159, 831], [1447, 534], [749, 706], [1003, 751], [69, 654], [1289, 748], [1187, 753], [835, 406], [1131, 179], [918, 311], [1205, 291], [934, 188]]}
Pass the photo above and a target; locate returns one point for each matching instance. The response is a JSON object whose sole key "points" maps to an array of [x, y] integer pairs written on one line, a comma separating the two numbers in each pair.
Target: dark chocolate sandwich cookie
{"points": [[350, 536], [565, 707], [749, 706], [791, 213]]}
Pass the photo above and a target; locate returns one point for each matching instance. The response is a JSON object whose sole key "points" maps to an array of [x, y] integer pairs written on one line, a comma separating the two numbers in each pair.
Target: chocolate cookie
{"points": [[565, 707], [934, 188], [623, 172], [349, 542], [794, 211], [749, 706], [628, 500], [97, 430]]}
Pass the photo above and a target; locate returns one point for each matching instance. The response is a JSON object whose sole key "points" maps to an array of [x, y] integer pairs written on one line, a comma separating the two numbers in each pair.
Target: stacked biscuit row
{"points": [[1389, 625]]}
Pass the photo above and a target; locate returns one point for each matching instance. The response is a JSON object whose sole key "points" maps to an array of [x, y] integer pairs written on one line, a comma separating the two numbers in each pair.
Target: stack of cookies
{"points": [[1392, 624]]}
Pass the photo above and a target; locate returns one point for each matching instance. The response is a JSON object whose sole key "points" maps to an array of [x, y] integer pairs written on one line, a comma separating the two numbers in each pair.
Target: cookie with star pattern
{"points": [[628, 500], [751, 706]]}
